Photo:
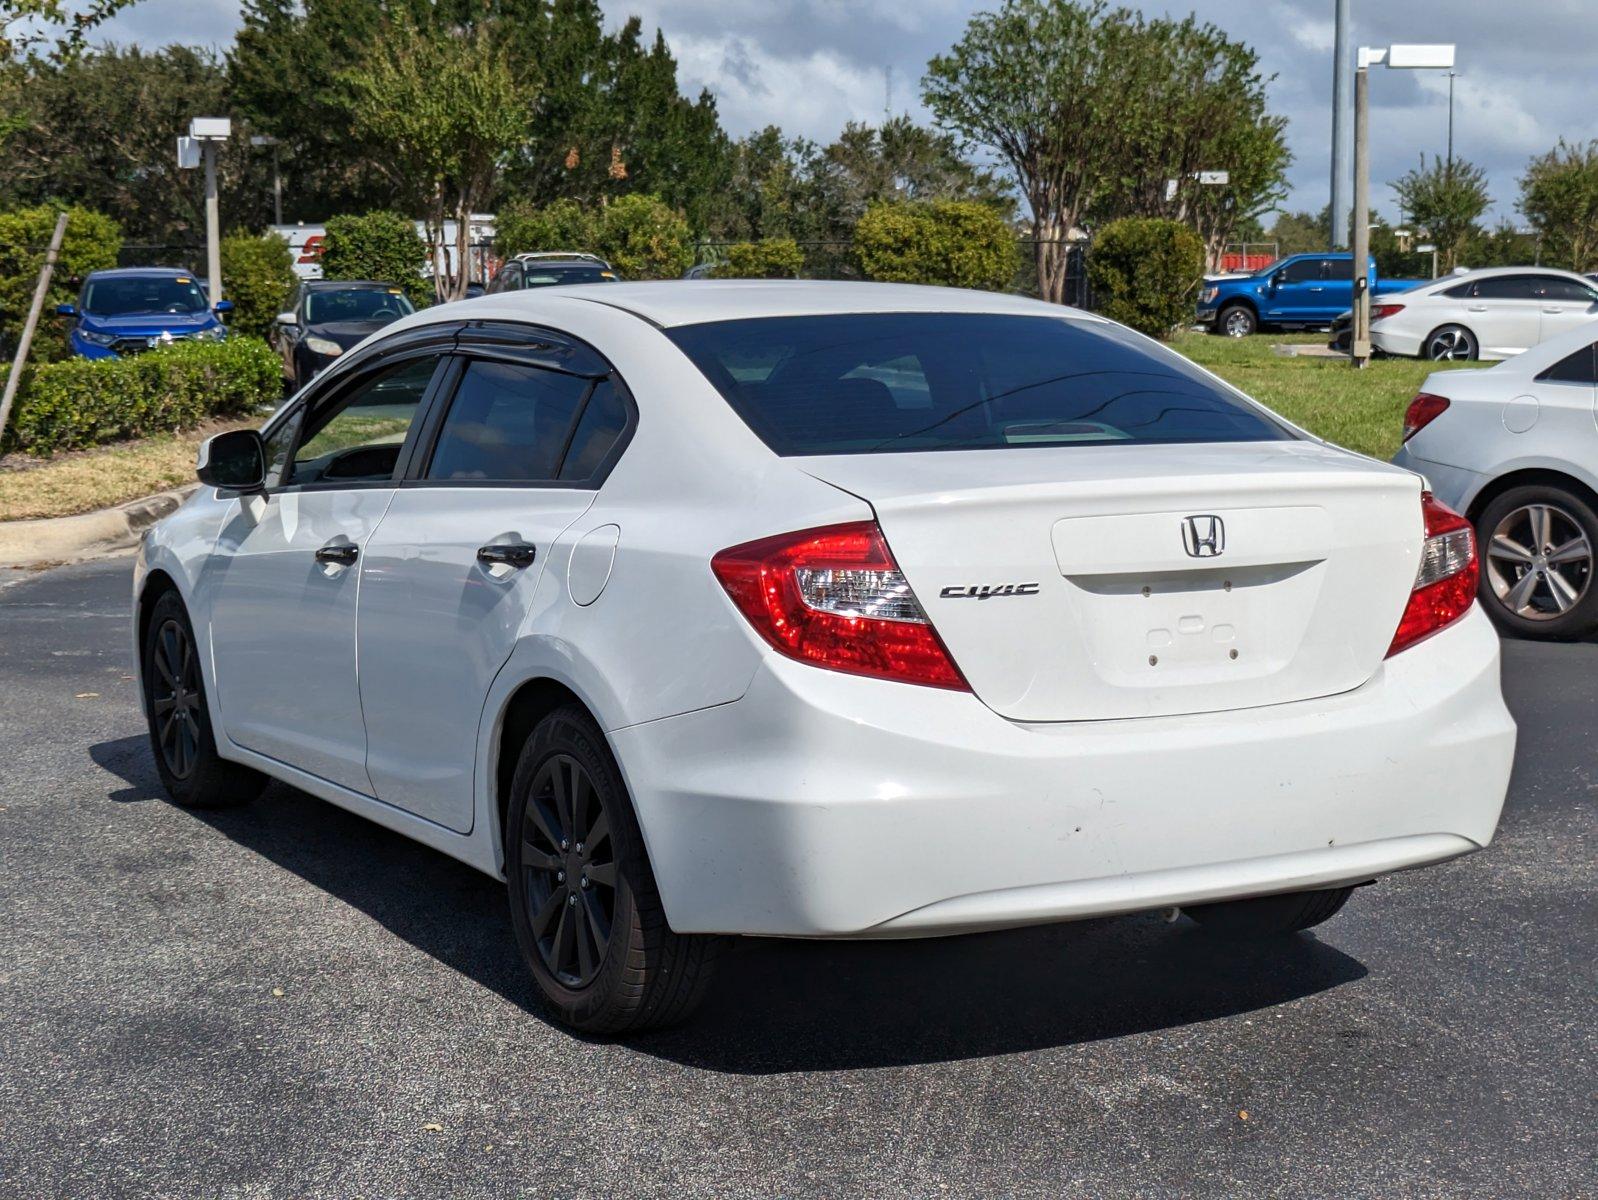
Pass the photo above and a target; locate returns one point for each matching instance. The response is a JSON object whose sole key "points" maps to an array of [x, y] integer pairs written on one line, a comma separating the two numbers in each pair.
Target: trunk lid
{"points": [[1079, 583]]}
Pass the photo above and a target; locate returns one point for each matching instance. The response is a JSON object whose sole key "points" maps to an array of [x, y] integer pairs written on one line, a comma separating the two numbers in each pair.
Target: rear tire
{"points": [[181, 739], [584, 904], [1236, 320], [1450, 342], [1530, 608], [1269, 916]]}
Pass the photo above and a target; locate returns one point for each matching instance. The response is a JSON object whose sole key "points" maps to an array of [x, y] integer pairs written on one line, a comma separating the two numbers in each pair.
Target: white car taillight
{"points": [[1445, 583], [834, 597]]}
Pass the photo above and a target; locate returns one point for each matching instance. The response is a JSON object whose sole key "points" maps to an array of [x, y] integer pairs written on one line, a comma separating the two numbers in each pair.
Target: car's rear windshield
{"points": [[556, 276], [884, 382]]}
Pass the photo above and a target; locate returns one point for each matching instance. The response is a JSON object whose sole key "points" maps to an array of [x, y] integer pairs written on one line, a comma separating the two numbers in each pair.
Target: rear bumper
{"points": [[1454, 486], [823, 805], [1390, 341]]}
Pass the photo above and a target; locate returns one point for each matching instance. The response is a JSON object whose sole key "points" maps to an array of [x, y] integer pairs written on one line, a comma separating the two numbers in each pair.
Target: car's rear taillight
{"points": [[835, 598], [1380, 311], [1423, 410], [1445, 585]]}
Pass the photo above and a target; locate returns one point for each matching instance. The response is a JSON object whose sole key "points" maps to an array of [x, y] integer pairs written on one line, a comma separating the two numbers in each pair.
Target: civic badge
{"points": [[1203, 536]]}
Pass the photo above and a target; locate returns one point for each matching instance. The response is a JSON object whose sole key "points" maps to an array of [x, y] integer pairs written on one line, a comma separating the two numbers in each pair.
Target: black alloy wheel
{"points": [[570, 867], [175, 698]]}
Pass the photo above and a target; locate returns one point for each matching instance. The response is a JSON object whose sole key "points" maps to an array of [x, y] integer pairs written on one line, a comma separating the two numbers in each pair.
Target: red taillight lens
{"points": [[1423, 410], [834, 597], [1445, 585], [1378, 311]]}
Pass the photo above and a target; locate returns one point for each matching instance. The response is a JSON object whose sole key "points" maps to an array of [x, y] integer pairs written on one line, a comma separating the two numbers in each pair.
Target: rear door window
{"points": [[1507, 287], [883, 382], [1580, 367], [508, 423]]}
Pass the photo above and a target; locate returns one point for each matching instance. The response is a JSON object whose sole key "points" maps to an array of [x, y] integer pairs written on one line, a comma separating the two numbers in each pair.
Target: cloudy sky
{"points": [[1526, 70]]}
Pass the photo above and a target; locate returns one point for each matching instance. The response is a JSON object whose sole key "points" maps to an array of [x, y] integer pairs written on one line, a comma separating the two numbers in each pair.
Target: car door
{"points": [[284, 576], [1297, 294], [1505, 314], [513, 454], [1566, 303]]}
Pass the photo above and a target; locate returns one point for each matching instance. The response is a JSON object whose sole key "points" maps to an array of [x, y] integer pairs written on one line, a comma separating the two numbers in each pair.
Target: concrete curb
{"points": [[72, 539]]}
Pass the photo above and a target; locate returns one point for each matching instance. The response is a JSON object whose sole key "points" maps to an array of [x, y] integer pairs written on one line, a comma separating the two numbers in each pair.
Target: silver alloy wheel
{"points": [[1237, 323], [1448, 344], [1539, 562]]}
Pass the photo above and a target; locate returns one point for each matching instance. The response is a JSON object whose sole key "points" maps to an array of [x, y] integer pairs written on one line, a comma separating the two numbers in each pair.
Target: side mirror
{"points": [[287, 318], [65, 310], [1276, 278], [222, 306], [235, 460]]}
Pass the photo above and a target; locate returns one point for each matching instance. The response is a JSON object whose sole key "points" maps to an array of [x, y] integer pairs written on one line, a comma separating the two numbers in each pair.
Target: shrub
{"points": [[522, 228], [378, 245], [769, 258], [86, 402], [1144, 272], [258, 276], [955, 243], [644, 238], [91, 243]]}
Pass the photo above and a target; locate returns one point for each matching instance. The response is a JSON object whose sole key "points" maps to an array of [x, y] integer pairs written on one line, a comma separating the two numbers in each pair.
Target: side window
{"points": [[1552, 287], [359, 434], [508, 423], [1461, 291], [1303, 271], [1580, 367], [508, 279], [1506, 287], [604, 417]]}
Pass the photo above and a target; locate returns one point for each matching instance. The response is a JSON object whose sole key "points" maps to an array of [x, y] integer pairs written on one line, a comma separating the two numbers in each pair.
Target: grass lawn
{"points": [[91, 479], [1363, 410]]}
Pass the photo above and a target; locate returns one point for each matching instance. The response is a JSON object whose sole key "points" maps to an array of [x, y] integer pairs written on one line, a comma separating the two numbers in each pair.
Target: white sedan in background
{"points": [[1515, 448], [822, 610], [1488, 314]]}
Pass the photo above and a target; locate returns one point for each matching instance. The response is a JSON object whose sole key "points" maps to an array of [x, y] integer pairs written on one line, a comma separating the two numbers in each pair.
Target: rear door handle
{"points": [[339, 553], [1475, 308], [1554, 309], [510, 554]]}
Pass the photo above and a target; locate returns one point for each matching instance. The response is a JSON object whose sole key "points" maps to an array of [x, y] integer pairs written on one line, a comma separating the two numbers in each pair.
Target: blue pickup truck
{"points": [[1298, 292]]}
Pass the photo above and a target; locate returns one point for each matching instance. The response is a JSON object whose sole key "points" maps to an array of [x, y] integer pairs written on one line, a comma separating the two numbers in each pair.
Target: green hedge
{"points": [[769, 258], [953, 243], [383, 246], [642, 236], [1144, 272], [87, 402], [258, 276], [91, 244]]}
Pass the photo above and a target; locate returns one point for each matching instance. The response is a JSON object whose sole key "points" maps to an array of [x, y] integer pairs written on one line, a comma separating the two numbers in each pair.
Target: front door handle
{"points": [[1554, 309], [510, 554], [1475, 308], [338, 553]]}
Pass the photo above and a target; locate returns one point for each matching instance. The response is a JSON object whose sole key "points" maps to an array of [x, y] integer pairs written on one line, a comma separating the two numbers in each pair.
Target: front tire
{"points": [[1450, 343], [1269, 916], [1236, 321], [1537, 548], [584, 904], [181, 738]]}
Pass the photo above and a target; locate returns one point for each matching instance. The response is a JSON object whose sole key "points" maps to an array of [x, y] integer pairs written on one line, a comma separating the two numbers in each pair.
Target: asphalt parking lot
{"points": [[288, 1001]]}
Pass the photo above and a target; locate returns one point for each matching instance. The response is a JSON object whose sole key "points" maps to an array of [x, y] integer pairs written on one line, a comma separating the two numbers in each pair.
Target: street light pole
{"points": [[1360, 344], [213, 227], [1342, 135], [1407, 57], [1451, 77]]}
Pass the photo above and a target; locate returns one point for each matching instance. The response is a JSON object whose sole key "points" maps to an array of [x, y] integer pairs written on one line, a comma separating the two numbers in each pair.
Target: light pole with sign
{"points": [[205, 135], [1404, 58]]}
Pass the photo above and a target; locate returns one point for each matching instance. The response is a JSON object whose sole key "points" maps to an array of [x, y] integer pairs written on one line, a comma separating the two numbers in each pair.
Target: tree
{"points": [[1559, 195], [1502, 246], [954, 243], [1447, 199], [1144, 271], [445, 105], [644, 238], [91, 243], [377, 245], [98, 130], [28, 27], [258, 272], [522, 228], [1300, 232], [1045, 84]]}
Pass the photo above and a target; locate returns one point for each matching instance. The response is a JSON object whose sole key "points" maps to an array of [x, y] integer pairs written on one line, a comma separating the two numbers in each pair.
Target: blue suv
{"points": [[138, 308]]}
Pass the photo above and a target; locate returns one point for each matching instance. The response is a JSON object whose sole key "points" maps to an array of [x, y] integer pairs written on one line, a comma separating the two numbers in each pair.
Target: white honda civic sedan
{"points": [[822, 610], [1515, 448]]}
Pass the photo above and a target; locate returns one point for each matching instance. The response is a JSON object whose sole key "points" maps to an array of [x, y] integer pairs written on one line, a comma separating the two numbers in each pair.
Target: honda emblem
{"points": [[1203, 536]]}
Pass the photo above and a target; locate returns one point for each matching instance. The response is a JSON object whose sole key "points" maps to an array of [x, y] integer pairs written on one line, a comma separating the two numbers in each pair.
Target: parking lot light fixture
{"points": [[1403, 57]]}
